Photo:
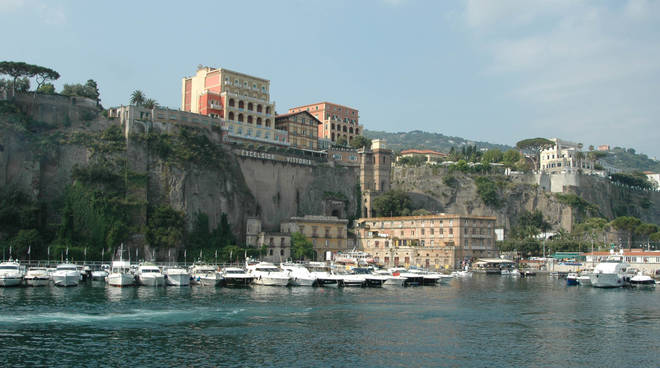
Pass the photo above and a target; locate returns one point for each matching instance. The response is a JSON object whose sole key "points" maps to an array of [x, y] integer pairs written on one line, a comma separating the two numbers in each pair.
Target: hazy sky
{"points": [[498, 71]]}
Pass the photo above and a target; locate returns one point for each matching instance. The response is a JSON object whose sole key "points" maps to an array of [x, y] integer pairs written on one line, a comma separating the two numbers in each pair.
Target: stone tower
{"points": [[375, 173]]}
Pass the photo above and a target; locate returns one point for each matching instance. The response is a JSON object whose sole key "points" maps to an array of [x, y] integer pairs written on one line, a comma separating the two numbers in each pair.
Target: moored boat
{"points": [[120, 274], [572, 279], [37, 276], [148, 274], [177, 276], [10, 274], [66, 274], [205, 275], [609, 273], [235, 276], [323, 275], [642, 281], [299, 274], [265, 273]]}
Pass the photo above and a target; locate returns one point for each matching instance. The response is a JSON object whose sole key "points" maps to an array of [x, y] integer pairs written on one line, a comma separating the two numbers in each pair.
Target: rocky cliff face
{"points": [[432, 189]]}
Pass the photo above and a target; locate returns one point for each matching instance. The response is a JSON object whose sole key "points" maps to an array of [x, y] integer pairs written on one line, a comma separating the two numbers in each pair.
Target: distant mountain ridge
{"points": [[424, 140]]}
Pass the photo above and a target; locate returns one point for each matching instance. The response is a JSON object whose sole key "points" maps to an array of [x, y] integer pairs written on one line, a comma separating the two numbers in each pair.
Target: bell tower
{"points": [[375, 173]]}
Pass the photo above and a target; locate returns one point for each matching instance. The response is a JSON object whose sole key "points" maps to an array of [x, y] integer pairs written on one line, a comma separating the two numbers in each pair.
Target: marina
{"points": [[459, 324]]}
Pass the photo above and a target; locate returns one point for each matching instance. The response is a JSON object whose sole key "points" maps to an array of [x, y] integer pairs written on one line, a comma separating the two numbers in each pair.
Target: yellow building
{"points": [[327, 233], [433, 241]]}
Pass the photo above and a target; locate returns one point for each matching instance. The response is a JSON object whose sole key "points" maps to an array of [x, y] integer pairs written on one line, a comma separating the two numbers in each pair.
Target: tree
{"points": [[165, 228], [534, 146], [627, 224], [47, 89], [591, 147], [392, 203], [89, 90], [15, 70], [150, 103], [421, 212], [341, 141], [43, 75], [492, 156], [137, 98], [301, 247], [510, 157], [645, 230], [360, 141]]}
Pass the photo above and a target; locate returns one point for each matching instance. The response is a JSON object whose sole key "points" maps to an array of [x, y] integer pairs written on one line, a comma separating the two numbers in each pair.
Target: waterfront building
{"points": [[647, 261], [343, 156], [241, 100], [432, 241], [327, 233], [375, 173], [604, 147], [302, 129], [429, 155], [565, 157], [278, 245], [653, 178], [338, 120]]}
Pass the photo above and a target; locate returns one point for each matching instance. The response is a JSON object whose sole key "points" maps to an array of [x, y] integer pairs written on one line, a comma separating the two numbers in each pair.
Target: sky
{"points": [[497, 71]]}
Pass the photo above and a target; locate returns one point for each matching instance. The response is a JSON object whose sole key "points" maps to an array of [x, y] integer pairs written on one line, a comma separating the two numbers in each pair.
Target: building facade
{"points": [[564, 158], [433, 241], [338, 120], [302, 129], [139, 119], [327, 233], [278, 245], [653, 178], [241, 100], [375, 173], [429, 155]]}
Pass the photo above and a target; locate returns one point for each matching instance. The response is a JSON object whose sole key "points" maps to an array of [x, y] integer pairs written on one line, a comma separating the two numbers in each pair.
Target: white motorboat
{"points": [[323, 275], [37, 276], [428, 278], [11, 274], [391, 279], [66, 274], [205, 275], [465, 274], [265, 273], [300, 276], [148, 274], [411, 278], [514, 273], [99, 275], [353, 280], [177, 276], [642, 281], [609, 273], [235, 276], [120, 274], [505, 272]]}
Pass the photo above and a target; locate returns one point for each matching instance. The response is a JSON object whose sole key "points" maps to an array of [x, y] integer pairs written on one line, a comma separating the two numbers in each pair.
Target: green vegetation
{"points": [[450, 181], [534, 146], [411, 161], [186, 145], [360, 141], [629, 160], [392, 203], [301, 247], [634, 180], [417, 139], [488, 191], [24, 71], [89, 90], [584, 207], [138, 98]]}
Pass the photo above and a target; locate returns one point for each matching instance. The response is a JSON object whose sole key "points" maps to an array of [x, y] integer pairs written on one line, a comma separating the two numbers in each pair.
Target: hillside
{"points": [[424, 140], [628, 160]]}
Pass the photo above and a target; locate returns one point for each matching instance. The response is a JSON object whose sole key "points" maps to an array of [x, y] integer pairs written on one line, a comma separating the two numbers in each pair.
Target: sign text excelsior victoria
{"points": [[273, 157]]}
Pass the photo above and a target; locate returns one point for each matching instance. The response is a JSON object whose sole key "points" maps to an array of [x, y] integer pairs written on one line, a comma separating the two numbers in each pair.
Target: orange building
{"points": [[338, 120]]}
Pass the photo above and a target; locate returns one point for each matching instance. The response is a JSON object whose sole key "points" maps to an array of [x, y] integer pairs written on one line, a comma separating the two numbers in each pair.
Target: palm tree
{"points": [[150, 103], [137, 98]]}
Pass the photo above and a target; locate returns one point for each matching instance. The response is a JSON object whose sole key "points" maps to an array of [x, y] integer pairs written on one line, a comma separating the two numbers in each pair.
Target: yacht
{"points": [[583, 278], [323, 274], [609, 273], [371, 278], [120, 274], [100, 274], [411, 278], [352, 279], [177, 276], [428, 278], [391, 279], [205, 275], [148, 274], [37, 276], [66, 274], [235, 276], [265, 273], [572, 279], [10, 274], [642, 281], [514, 273], [300, 276], [469, 274]]}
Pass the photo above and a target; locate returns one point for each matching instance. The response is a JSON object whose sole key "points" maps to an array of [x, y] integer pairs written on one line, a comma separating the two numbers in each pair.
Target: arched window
{"points": [[268, 123], [344, 129], [250, 106], [231, 102], [357, 131], [332, 125], [350, 130], [249, 119], [259, 108], [241, 104], [267, 109], [231, 115], [258, 121], [240, 117]]}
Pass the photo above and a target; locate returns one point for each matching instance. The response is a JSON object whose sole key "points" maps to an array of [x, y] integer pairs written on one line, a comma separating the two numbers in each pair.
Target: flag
{"points": [[216, 253], [48, 252], [185, 254], [102, 252], [85, 251], [29, 249], [67, 252], [136, 253], [200, 254], [169, 253]]}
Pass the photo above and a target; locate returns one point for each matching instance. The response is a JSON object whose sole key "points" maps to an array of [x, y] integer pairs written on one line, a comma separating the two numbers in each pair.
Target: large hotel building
{"points": [[241, 100], [433, 241], [338, 121]]}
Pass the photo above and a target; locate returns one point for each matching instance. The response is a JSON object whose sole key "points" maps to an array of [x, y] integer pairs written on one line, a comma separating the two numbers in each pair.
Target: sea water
{"points": [[483, 321]]}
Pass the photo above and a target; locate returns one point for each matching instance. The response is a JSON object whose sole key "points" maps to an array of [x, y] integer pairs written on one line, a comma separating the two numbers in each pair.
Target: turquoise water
{"points": [[485, 321]]}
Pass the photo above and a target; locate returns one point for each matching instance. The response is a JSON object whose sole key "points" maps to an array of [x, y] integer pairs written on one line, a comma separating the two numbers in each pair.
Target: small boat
{"points": [[571, 279], [235, 276], [461, 274], [323, 275], [37, 276], [299, 274], [66, 274], [120, 274], [148, 274], [265, 273], [177, 276], [514, 273], [99, 275], [609, 273], [205, 275], [428, 278], [642, 281], [412, 279], [10, 274], [505, 272]]}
